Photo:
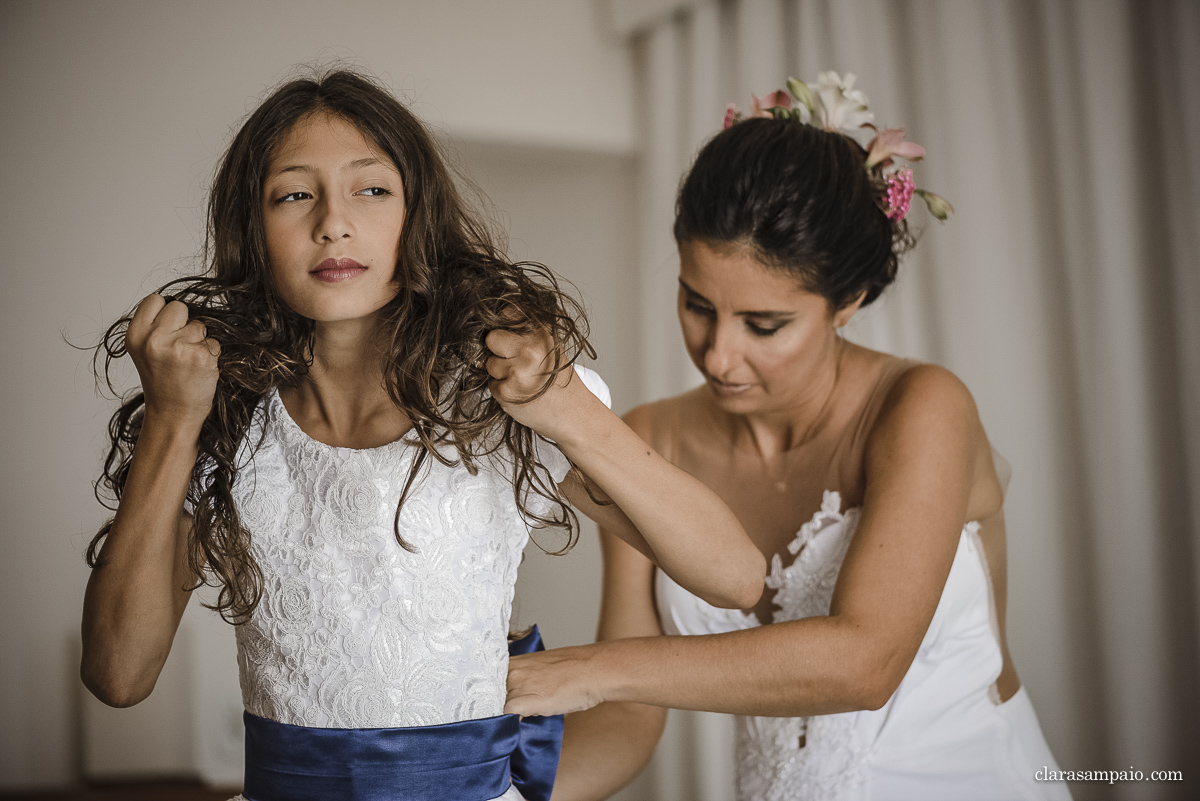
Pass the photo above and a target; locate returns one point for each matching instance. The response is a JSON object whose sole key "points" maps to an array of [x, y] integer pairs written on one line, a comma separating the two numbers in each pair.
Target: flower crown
{"points": [[837, 106]]}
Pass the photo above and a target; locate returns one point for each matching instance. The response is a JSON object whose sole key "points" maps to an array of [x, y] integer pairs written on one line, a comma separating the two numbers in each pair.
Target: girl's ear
{"points": [[844, 314]]}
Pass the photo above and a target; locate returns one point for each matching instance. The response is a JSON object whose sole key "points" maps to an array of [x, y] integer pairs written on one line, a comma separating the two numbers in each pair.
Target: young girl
{"points": [[877, 666], [349, 424]]}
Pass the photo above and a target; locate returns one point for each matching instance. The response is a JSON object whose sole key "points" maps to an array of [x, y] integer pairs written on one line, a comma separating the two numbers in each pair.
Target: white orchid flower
{"points": [[841, 107]]}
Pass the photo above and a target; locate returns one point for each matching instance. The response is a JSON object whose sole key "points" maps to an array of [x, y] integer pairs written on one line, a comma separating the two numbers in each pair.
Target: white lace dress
{"points": [[941, 737], [354, 631]]}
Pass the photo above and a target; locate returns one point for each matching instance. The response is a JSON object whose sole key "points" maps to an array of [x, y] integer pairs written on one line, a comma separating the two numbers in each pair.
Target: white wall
{"points": [[113, 117]]}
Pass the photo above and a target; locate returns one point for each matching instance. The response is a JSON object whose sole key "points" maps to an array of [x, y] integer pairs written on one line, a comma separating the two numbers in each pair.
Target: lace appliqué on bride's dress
{"points": [[788, 759], [353, 631]]}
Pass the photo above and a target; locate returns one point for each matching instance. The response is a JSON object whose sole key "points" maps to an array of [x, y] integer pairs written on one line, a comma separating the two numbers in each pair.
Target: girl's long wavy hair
{"points": [[456, 286]]}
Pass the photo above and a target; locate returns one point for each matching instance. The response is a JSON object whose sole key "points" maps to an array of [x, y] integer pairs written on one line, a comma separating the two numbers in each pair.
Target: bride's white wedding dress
{"points": [[943, 735]]}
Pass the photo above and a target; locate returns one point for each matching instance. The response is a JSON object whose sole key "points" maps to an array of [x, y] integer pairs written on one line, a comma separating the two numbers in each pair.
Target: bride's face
{"points": [[760, 340]]}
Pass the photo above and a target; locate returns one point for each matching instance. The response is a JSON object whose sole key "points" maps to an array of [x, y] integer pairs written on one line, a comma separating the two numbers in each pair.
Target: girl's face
{"points": [[759, 339], [333, 209]]}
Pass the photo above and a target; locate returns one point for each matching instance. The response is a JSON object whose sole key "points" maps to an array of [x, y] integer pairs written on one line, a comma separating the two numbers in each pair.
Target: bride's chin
{"points": [[730, 393]]}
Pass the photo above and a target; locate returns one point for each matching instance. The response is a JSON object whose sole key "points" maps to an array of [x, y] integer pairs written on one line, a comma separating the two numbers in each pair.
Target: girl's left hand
{"points": [[519, 365], [553, 682]]}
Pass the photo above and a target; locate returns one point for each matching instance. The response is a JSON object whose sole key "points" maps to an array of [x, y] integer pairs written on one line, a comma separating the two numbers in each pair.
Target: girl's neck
{"points": [[347, 356], [342, 400]]}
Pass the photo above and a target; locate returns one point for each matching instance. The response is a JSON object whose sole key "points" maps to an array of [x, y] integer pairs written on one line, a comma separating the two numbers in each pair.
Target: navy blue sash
{"points": [[472, 760]]}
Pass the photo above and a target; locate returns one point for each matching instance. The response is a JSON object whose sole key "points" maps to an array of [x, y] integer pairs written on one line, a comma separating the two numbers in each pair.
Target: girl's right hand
{"points": [[175, 359]]}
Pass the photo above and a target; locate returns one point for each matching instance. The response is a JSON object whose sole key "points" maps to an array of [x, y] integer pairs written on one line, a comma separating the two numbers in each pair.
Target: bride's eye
{"points": [[763, 331]]}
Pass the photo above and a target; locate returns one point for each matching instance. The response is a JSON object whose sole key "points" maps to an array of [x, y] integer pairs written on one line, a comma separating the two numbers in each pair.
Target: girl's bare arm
{"points": [[137, 592]]}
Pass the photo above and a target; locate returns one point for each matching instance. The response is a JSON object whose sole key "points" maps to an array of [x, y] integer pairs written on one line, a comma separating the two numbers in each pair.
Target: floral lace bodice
{"points": [[354, 631], [831, 757]]}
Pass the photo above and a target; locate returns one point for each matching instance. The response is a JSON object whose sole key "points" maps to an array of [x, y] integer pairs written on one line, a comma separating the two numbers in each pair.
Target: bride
{"points": [[875, 664]]}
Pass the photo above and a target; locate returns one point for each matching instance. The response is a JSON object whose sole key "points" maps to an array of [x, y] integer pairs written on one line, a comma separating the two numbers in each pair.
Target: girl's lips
{"points": [[334, 271]]}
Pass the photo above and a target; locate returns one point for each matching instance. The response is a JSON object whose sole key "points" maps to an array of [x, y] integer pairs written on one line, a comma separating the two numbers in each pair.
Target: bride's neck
{"points": [[793, 423]]}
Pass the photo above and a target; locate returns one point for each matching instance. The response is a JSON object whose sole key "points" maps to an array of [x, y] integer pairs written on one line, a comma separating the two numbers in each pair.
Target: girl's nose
{"points": [[333, 221]]}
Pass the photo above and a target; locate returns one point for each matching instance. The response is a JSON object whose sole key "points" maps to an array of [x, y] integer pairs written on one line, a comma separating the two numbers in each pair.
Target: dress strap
{"points": [[849, 447]]}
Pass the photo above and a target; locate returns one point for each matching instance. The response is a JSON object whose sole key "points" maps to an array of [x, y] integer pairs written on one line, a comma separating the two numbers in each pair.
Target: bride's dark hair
{"points": [[802, 200], [455, 286]]}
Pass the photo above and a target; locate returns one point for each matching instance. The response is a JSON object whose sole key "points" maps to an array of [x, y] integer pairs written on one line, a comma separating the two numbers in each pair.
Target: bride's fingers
{"points": [[497, 367], [523, 708], [504, 344]]}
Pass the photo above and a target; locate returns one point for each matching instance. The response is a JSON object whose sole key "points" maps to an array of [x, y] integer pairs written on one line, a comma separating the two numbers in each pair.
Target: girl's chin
{"points": [[333, 313]]}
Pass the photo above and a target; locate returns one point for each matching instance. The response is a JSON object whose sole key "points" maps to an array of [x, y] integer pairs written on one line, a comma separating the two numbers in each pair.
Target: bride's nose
{"points": [[721, 352]]}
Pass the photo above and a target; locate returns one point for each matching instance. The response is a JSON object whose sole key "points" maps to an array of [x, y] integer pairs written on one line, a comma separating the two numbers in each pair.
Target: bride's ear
{"points": [[844, 314]]}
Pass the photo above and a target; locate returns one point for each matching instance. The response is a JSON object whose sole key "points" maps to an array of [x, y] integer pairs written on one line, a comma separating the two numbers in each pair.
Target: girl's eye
{"points": [[696, 308], [291, 197], [374, 191]]}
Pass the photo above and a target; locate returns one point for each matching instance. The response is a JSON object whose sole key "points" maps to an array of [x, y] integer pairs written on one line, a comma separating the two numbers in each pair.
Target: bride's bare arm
{"points": [[668, 515], [605, 747], [921, 466]]}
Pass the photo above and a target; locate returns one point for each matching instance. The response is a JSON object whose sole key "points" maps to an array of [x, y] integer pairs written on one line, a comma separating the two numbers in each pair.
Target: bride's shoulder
{"points": [[920, 405], [658, 421], [927, 421], [913, 388], [924, 382]]}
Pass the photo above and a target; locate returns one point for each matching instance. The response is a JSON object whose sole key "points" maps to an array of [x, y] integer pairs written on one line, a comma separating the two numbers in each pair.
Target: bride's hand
{"points": [[553, 682], [519, 366]]}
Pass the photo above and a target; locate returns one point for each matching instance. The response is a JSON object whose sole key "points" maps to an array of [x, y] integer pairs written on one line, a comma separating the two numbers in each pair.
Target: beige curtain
{"points": [[1065, 293]]}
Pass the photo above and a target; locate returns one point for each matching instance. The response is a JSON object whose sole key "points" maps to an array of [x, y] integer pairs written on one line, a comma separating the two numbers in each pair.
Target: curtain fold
{"points": [[1065, 292]]}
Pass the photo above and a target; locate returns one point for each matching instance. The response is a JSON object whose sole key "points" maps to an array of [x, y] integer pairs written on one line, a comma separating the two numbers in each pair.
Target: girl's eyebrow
{"points": [[357, 164], [770, 315]]}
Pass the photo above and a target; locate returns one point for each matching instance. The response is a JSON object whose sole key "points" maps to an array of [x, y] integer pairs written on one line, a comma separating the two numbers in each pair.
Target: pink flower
{"points": [[777, 99], [890, 142], [730, 115], [899, 194]]}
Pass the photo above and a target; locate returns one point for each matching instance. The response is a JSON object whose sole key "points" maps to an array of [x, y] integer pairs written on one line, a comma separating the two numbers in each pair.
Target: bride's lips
{"points": [[724, 390], [334, 271]]}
